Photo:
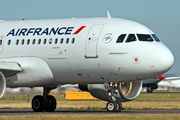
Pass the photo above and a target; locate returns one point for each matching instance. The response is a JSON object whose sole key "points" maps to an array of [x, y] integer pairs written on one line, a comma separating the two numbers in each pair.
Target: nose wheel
{"points": [[119, 107], [112, 106]]}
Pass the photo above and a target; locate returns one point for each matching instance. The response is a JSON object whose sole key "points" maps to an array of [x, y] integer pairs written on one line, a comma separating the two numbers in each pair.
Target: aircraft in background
{"points": [[68, 87], [108, 57], [151, 84], [22, 90], [25, 90], [35, 90], [172, 81], [164, 80]]}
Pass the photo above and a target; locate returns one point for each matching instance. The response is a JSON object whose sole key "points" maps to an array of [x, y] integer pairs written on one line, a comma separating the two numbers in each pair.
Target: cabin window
{"points": [[62, 40], [56, 41], [17, 42], [131, 38], [28, 41], [39, 41], [9, 42], [144, 37], [22, 42], [67, 40], [33, 42], [155, 38], [73, 40], [121, 38], [50, 40], [45, 41]]}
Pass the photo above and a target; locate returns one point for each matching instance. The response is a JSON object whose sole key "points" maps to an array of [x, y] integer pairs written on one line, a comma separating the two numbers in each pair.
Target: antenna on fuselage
{"points": [[109, 16]]}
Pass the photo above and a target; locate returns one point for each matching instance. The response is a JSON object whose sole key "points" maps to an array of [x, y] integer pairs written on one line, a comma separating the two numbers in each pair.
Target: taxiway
{"points": [[80, 112]]}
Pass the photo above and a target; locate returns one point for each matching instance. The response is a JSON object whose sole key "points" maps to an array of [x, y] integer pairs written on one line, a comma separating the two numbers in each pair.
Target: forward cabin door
{"points": [[1, 43], [92, 40]]}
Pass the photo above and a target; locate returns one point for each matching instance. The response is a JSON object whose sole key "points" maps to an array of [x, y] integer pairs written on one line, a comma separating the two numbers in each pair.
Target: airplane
{"points": [[24, 90], [172, 81], [27, 90], [151, 84], [68, 87], [109, 57], [166, 79]]}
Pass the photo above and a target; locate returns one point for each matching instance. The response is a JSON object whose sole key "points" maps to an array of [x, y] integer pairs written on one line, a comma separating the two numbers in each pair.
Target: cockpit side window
{"points": [[121, 38], [131, 38], [155, 38], [145, 37]]}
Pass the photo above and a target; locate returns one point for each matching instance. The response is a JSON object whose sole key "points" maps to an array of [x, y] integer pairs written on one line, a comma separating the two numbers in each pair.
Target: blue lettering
{"points": [[41, 31], [17, 32], [60, 33], [11, 33], [23, 30], [37, 31], [54, 31], [45, 31], [29, 31], [68, 31]]}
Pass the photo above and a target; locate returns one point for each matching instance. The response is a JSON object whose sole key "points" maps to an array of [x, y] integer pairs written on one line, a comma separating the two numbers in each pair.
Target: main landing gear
{"points": [[113, 105], [149, 90], [45, 102]]}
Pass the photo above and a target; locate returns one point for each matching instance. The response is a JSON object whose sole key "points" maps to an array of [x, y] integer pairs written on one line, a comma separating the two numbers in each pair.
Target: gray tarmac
{"points": [[10, 112]]}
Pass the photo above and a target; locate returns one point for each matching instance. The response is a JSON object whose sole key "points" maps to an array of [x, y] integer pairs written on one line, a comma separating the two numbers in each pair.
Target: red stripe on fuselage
{"points": [[79, 30]]}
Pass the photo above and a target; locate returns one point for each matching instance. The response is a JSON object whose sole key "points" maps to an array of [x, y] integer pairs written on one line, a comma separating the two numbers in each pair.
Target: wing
{"points": [[171, 77], [9, 68]]}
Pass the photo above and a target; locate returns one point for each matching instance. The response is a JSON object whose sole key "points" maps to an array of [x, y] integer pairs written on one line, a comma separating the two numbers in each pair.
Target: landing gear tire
{"points": [[148, 90], [38, 103], [151, 90], [111, 106], [119, 107], [50, 103]]}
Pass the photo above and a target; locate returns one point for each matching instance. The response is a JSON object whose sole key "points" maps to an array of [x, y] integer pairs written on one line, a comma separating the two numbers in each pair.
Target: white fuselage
{"points": [[170, 83], [94, 57]]}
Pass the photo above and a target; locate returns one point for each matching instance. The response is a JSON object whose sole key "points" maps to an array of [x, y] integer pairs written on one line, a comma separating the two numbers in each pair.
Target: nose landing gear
{"points": [[113, 105]]}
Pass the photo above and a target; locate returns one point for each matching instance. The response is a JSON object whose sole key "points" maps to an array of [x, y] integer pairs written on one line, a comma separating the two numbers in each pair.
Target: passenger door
{"points": [[91, 41], [2, 38]]}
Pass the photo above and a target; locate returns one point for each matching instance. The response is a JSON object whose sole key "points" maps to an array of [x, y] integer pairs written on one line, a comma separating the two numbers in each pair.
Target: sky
{"points": [[161, 16]]}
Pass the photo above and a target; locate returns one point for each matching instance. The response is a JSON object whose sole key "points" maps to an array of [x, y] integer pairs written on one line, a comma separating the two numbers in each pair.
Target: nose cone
{"points": [[161, 60]]}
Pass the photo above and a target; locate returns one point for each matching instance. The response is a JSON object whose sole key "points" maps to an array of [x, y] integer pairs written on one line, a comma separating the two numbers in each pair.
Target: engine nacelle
{"points": [[125, 92], [2, 84], [129, 91], [83, 87]]}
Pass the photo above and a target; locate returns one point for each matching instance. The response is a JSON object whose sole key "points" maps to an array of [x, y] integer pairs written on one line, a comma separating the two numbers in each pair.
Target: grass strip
{"points": [[96, 117]]}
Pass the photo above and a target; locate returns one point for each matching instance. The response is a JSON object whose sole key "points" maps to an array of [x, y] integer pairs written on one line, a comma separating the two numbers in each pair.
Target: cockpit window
{"points": [[145, 37], [131, 38], [121, 38], [155, 38]]}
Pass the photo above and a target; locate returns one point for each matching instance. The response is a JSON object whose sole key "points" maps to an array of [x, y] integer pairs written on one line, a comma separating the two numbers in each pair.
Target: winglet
{"points": [[109, 16]]}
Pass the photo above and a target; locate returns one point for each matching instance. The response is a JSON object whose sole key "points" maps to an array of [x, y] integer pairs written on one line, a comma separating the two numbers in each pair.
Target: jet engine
{"points": [[2, 84], [122, 92]]}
